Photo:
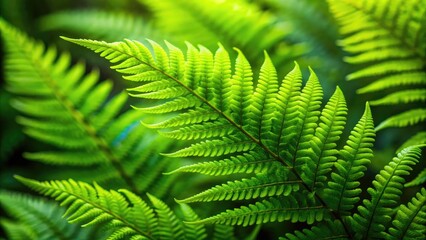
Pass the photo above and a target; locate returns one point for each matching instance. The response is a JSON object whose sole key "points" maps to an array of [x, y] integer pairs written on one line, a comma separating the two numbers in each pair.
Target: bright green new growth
{"points": [[388, 38], [126, 215], [275, 129], [87, 127]]}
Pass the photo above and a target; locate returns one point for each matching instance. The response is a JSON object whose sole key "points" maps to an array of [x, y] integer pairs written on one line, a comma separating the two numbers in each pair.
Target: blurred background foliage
{"points": [[310, 37]]}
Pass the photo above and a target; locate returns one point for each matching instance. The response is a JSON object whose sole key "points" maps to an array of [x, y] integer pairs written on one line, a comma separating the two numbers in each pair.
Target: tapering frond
{"points": [[37, 218], [257, 187], [234, 23], [61, 105], [111, 26], [418, 180], [279, 128], [406, 96], [250, 162], [404, 119], [168, 224], [343, 190], [410, 219], [321, 158], [326, 230], [388, 39], [295, 208], [374, 214], [192, 231], [92, 205]]}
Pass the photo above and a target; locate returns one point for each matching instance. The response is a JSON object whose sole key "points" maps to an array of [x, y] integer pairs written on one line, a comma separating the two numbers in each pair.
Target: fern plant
{"points": [[86, 127], [273, 138], [273, 129], [387, 39]]}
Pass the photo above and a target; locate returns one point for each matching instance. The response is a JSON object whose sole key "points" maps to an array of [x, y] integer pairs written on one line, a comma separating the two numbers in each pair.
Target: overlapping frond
{"points": [[272, 128], [34, 218], [126, 215], [374, 214], [343, 190], [388, 39], [234, 23], [257, 187], [295, 208], [109, 26], [410, 219], [87, 127]]}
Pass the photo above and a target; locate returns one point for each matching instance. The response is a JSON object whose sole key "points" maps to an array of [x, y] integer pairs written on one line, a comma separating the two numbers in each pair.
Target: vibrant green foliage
{"points": [[388, 39], [66, 108], [274, 150], [126, 215]]}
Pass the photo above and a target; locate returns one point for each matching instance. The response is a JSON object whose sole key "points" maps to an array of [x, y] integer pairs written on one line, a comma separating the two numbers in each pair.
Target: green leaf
{"points": [[374, 214]]}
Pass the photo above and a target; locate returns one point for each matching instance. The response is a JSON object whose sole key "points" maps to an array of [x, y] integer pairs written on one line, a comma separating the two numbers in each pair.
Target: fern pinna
{"points": [[274, 129], [89, 130], [388, 40]]}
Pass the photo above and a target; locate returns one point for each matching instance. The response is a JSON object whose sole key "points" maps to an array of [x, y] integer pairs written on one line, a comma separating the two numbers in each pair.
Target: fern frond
{"points": [[93, 205], [418, 180], [251, 162], [326, 230], [99, 24], [277, 129], [38, 219], [374, 214], [234, 23], [257, 187], [410, 219], [343, 189], [404, 119], [66, 108], [295, 208], [168, 224], [402, 97], [192, 231], [125, 214], [388, 39], [321, 158]]}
